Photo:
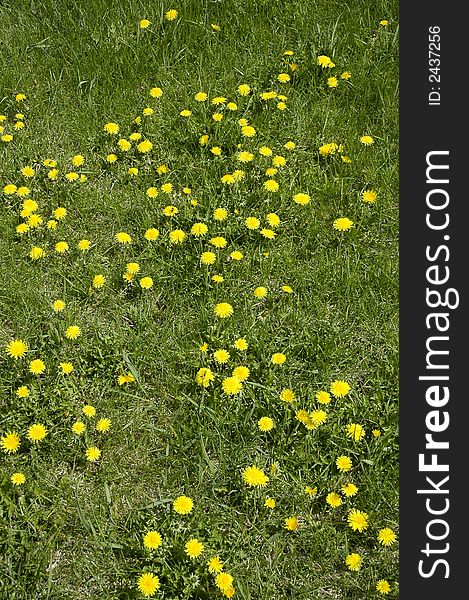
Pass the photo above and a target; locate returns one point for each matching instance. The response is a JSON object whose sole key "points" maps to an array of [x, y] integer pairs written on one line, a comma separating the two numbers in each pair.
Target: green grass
{"points": [[74, 530]]}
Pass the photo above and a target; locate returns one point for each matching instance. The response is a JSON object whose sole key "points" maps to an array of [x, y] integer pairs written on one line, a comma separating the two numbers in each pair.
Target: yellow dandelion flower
{"points": [[254, 477], [357, 520], [333, 499], [146, 283], [171, 14], [215, 565], [232, 386], [36, 432], [291, 523], [72, 332], [349, 490], [193, 548], [343, 463], [148, 583], [16, 349], [93, 454], [355, 431], [10, 442], [18, 478], [265, 424], [78, 427], [183, 505], [37, 366], [353, 561], [339, 388]]}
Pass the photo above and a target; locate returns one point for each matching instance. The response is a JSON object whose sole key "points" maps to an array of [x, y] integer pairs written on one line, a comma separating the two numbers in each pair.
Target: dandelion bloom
{"points": [[183, 505], [204, 377], [10, 442], [147, 584], [84, 245], [333, 499], [171, 14], [248, 131], [193, 548], [349, 489], [123, 238], [93, 454], [339, 388], [16, 349], [185, 113], [260, 292], [151, 234], [240, 344], [208, 258], [146, 283], [324, 61], [369, 196], [291, 523], [287, 395], [37, 366], [332, 82], [252, 223], [18, 478], [232, 385], [386, 536], [273, 219], [311, 491], [357, 520], [384, 23], [72, 332], [383, 587], [271, 185], [200, 97], [177, 236], [215, 565], [269, 503], [278, 358], [342, 224], [223, 310], [301, 198], [36, 432], [67, 367], [353, 561], [268, 234], [199, 229], [37, 252], [224, 581], [152, 540], [355, 431], [144, 146], [283, 77], [367, 140], [343, 463], [144, 23], [265, 424], [323, 397], [156, 92], [89, 410], [103, 425], [111, 128], [78, 427], [221, 356], [241, 373], [254, 477], [22, 391]]}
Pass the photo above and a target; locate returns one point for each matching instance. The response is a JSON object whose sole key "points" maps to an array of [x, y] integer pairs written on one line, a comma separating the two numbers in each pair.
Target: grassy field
{"points": [[325, 299]]}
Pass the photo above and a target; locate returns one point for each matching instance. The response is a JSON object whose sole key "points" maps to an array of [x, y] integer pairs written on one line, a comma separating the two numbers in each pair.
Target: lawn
{"points": [[212, 196]]}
